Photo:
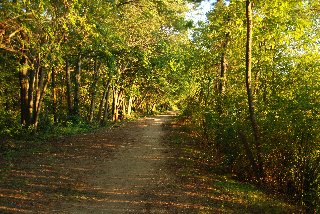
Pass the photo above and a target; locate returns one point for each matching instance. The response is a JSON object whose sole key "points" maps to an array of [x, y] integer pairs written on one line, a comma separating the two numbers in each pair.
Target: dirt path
{"points": [[135, 178], [134, 168], [121, 170]]}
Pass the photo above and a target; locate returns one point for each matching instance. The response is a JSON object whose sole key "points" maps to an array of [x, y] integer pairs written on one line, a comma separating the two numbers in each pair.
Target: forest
{"points": [[247, 80]]}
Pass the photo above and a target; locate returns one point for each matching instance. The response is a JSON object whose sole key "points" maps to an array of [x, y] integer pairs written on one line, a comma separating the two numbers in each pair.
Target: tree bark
{"points": [[23, 79], [249, 153], [223, 63], [38, 89], [68, 84], [124, 103], [116, 99], [93, 91], [32, 86], [106, 106], [129, 106], [223, 74], [32, 90], [254, 123], [41, 89], [103, 98], [54, 95], [76, 108], [115, 106]]}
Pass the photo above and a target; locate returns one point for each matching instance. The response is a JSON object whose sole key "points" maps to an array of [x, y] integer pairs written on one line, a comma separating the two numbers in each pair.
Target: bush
{"points": [[9, 125]]}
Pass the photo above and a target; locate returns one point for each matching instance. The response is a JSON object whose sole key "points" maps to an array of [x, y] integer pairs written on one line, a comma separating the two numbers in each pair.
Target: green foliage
{"points": [[285, 87], [9, 124]]}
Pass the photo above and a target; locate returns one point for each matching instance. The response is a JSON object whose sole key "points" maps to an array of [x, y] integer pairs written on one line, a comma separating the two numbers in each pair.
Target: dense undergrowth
{"points": [[290, 164], [204, 166]]}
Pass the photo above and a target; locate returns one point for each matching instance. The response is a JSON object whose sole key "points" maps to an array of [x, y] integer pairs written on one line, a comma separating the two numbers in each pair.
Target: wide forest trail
{"points": [[134, 168]]}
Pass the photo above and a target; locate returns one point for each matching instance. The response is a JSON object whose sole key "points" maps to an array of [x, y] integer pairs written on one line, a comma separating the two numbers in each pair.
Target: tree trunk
{"points": [[124, 103], [93, 91], [129, 106], [105, 95], [106, 106], [223, 66], [32, 86], [254, 124], [37, 113], [116, 99], [115, 106], [68, 84], [223, 74], [102, 101], [76, 108], [23, 79], [249, 154], [40, 92], [54, 95]]}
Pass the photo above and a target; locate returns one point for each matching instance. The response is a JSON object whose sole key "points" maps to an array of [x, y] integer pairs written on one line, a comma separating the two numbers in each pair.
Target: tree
{"points": [[269, 141], [258, 168]]}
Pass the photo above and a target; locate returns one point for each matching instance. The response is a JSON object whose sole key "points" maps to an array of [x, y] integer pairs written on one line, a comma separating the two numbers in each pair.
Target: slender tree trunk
{"points": [[38, 90], [23, 79], [129, 106], [76, 108], [68, 84], [207, 94], [93, 92], [254, 123], [221, 89], [223, 74], [42, 88], [102, 101], [223, 66], [54, 95], [113, 100], [124, 103], [106, 106], [115, 106], [249, 153], [32, 86], [35, 88], [116, 101], [104, 97]]}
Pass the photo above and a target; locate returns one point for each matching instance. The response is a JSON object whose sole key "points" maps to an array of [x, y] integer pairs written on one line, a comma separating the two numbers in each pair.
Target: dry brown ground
{"points": [[129, 169]]}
